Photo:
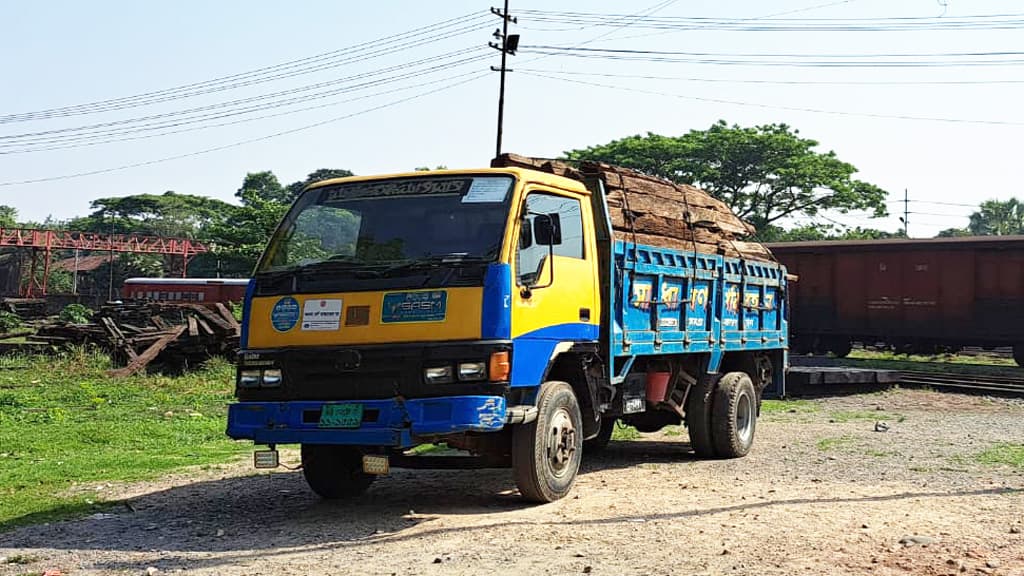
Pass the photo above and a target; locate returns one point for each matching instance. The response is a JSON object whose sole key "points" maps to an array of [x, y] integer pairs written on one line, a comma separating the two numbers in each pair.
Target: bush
{"points": [[76, 314], [9, 321]]}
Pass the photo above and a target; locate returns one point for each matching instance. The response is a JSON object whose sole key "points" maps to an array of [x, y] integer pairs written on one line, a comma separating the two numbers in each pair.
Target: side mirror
{"points": [[547, 229]]}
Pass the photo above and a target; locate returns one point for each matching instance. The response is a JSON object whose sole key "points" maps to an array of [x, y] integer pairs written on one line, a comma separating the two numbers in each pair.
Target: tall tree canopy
{"points": [[167, 214], [998, 218], [764, 173], [8, 216]]}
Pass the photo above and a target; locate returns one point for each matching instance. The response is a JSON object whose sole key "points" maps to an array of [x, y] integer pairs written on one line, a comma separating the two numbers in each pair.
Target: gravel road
{"points": [[830, 488]]}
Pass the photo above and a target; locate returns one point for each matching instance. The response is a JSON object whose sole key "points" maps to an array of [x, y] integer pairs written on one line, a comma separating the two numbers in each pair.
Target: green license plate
{"points": [[341, 415]]}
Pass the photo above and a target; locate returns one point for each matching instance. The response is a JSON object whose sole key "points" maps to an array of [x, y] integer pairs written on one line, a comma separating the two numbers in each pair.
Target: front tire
{"points": [[335, 472], [734, 415], [546, 453]]}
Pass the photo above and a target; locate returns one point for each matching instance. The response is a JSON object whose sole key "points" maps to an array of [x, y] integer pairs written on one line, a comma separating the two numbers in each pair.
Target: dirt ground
{"points": [[831, 488]]}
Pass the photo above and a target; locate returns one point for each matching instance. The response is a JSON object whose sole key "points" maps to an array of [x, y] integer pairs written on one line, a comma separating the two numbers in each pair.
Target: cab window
{"points": [[567, 238]]}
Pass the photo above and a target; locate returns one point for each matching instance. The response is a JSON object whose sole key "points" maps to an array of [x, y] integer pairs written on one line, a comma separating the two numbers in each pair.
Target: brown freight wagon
{"points": [[913, 295]]}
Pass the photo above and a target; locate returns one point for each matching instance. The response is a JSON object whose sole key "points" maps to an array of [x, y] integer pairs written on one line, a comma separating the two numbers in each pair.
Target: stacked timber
{"points": [[649, 210], [138, 332]]}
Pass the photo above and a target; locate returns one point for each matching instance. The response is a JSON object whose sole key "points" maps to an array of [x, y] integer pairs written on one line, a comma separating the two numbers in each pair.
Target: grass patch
{"points": [[826, 444], [672, 431], [1003, 453], [842, 416], [624, 432], [943, 363], [428, 449], [64, 423], [22, 559], [788, 407]]}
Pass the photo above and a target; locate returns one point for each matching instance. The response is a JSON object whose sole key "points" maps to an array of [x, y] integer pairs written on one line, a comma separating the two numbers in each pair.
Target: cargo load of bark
{"points": [[137, 333], [649, 210]]}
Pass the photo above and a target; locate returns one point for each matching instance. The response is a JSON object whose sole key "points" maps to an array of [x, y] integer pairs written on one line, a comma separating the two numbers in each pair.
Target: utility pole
{"points": [[110, 262], [507, 46], [906, 213]]}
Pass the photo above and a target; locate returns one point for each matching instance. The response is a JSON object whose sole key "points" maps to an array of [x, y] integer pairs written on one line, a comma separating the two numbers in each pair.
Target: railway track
{"points": [[965, 382]]}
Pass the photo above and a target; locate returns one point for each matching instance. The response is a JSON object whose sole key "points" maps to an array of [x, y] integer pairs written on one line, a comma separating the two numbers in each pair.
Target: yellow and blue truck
{"points": [[495, 311]]}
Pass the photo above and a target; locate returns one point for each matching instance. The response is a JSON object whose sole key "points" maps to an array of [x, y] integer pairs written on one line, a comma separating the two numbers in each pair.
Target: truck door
{"points": [[555, 291]]}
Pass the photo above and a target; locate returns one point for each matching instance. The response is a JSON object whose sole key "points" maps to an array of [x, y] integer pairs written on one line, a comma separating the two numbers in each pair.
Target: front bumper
{"points": [[394, 422]]}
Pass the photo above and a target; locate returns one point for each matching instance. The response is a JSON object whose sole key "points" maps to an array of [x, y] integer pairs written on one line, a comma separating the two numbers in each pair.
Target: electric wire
{"points": [[1007, 21], [781, 107], [356, 53], [240, 121], [795, 61], [247, 141], [171, 120], [778, 82]]}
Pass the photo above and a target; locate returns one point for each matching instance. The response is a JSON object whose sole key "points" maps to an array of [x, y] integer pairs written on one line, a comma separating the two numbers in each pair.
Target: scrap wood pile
{"points": [[137, 333], [650, 210]]}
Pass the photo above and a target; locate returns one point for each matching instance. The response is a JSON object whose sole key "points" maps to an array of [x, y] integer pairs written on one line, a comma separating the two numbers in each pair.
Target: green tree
{"points": [[295, 188], [998, 218], [262, 186], [953, 233], [8, 216], [764, 173], [167, 214]]}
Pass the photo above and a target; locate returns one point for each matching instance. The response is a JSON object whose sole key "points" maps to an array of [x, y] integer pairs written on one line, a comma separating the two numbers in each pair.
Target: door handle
{"points": [[585, 314]]}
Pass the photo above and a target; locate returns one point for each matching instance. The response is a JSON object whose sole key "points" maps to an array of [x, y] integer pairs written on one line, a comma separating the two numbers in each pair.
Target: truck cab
{"points": [[488, 309]]}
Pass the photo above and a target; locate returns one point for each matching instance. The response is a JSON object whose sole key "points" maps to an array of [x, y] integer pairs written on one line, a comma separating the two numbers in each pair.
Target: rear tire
{"points": [[335, 472], [1018, 354], [734, 415], [546, 453], [698, 416], [604, 436]]}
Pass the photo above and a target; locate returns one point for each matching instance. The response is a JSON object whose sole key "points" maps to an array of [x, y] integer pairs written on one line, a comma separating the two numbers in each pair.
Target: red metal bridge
{"points": [[46, 241]]}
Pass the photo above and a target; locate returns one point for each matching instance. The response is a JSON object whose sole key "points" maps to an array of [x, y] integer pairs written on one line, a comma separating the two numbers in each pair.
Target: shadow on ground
{"points": [[230, 520]]}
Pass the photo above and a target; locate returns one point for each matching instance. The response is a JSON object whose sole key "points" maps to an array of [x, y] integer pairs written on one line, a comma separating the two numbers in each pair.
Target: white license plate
{"points": [[377, 465]]}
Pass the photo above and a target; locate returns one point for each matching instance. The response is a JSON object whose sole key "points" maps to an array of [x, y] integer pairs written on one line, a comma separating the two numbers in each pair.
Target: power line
{"points": [[375, 48], [783, 60], [917, 201], [91, 135], [243, 142], [240, 121], [679, 23], [780, 107], [779, 82], [776, 55]]}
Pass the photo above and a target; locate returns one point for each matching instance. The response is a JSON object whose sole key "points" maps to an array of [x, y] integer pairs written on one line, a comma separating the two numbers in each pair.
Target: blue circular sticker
{"points": [[285, 314]]}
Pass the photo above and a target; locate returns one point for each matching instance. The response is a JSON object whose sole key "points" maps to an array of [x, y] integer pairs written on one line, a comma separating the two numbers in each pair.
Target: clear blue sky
{"points": [[60, 54]]}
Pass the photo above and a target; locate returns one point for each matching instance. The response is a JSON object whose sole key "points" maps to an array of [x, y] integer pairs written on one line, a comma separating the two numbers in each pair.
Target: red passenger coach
{"points": [[913, 295], [194, 290]]}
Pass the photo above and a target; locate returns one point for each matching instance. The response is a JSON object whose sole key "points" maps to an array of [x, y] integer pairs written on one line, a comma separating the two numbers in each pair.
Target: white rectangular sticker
{"points": [[321, 314], [487, 190]]}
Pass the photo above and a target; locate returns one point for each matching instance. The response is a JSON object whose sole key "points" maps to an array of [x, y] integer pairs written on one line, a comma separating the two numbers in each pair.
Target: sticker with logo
{"points": [[421, 306], [285, 314], [321, 315]]}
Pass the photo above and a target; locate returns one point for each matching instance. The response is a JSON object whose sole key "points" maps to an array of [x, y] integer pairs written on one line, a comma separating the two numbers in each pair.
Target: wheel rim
{"points": [[560, 445], [744, 418]]}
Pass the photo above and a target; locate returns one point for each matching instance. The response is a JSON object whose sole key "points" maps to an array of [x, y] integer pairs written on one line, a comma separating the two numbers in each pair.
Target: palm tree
{"points": [[998, 218]]}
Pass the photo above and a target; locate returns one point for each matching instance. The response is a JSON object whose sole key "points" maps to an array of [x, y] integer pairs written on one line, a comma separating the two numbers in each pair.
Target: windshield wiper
{"points": [[433, 261]]}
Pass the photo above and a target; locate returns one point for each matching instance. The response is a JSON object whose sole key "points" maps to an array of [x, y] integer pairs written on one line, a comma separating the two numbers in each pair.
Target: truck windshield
{"points": [[393, 222]]}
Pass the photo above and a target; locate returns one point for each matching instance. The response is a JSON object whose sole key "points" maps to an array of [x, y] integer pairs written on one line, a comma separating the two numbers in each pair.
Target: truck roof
{"points": [[524, 174]]}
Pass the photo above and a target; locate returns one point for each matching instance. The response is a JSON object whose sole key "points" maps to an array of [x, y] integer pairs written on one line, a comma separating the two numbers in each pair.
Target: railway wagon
{"points": [[193, 290], [923, 296]]}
